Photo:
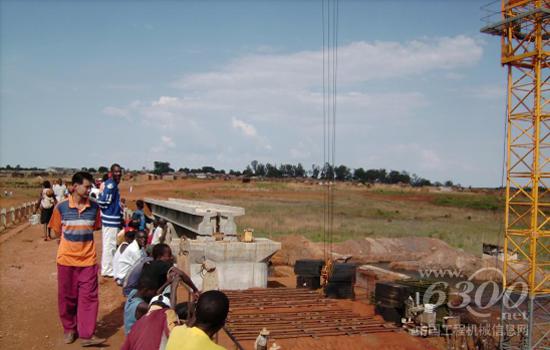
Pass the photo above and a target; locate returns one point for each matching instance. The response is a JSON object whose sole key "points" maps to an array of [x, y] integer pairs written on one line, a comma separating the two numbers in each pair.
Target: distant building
{"points": [[61, 170]]}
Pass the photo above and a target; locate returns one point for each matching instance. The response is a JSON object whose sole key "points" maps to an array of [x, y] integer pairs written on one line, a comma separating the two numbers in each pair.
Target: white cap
{"points": [[160, 299]]}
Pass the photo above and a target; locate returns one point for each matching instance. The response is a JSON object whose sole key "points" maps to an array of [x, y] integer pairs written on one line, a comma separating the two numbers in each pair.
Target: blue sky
{"points": [[220, 83]]}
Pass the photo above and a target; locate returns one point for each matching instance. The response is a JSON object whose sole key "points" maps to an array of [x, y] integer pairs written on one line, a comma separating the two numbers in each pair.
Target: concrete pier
{"points": [[239, 265]]}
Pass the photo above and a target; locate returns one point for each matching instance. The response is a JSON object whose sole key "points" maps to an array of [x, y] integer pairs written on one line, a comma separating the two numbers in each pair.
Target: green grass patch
{"points": [[271, 186], [478, 202]]}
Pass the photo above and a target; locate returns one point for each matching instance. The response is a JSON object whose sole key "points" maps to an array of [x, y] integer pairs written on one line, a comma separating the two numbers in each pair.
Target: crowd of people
{"points": [[136, 255]]}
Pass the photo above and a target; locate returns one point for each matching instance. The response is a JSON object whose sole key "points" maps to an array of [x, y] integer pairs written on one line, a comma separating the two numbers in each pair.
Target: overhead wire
{"points": [[325, 201], [334, 92], [330, 19]]}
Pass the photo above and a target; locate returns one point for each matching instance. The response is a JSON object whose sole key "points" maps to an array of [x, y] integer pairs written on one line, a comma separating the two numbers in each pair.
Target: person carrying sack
{"points": [[46, 203]]}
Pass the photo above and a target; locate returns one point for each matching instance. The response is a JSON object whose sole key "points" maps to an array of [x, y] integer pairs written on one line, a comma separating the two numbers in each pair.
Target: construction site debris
{"points": [[294, 313], [406, 253]]}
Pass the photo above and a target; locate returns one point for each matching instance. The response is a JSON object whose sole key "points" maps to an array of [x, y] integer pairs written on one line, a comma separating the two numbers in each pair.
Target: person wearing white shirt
{"points": [[158, 232], [130, 256], [163, 233], [59, 190], [129, 237]]}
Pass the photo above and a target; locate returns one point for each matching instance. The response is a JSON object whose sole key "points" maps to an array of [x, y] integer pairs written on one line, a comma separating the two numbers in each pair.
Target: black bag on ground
{"points": [[309, 282], [391, 291], [308, 267], [343, 272], [339, 290], [390, 313]]}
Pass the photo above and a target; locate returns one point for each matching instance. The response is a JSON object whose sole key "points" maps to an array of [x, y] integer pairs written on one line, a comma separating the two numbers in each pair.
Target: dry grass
{"points": [[273, 209]]}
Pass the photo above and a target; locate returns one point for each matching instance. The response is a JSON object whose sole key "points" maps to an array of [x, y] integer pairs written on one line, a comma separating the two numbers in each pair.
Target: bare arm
{"points": [[186, 279], [141, 310]]}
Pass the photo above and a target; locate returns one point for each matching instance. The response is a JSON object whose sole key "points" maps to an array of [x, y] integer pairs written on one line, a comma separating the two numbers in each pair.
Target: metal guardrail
{"points": [[15, 215]]}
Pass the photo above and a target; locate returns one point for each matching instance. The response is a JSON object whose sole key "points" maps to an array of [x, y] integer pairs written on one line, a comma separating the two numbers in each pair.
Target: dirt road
{"points": [[28, 295]]}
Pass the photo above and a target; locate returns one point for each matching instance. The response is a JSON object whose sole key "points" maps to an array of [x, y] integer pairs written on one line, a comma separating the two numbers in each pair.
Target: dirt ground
{"points": [[29, 316], [28, 295]]}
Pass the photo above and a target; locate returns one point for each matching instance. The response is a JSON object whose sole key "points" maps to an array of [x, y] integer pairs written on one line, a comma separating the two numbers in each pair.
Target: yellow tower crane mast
{"points": [[524, 29]]}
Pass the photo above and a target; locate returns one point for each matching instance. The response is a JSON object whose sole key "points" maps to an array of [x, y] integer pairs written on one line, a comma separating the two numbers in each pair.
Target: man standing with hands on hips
{"points": [[111, 219]]}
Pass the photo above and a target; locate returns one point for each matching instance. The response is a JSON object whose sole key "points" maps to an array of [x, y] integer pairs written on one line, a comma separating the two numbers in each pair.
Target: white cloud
{"points": [[247, 129], [274, 102], [250, 132], [167, 141], [286, 87], [116, 112], [358, 62], [167, 101]]}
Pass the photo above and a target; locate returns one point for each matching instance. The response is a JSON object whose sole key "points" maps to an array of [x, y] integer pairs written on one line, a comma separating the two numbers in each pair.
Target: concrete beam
{"points": [[196, 219]]}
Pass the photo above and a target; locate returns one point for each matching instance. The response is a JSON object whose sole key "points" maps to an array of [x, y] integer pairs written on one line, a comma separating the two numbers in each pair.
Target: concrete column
{"points": [[11, 215], [3, 219], [17, 215]]}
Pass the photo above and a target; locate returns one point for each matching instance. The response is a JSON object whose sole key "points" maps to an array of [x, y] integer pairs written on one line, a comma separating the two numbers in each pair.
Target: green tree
{"points": [[315, 171], [342, 173], [248, 171], [375, 175], [271, 171], [286, 170], [359, 174], [161, 168], [260, 169], [327, 173], [254, 165], [418, 181], [209, 169], [299, 171]]}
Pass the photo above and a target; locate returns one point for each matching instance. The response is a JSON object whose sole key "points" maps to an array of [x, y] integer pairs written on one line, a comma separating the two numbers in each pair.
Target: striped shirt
{"points": [[77, 247], [109, 202]]}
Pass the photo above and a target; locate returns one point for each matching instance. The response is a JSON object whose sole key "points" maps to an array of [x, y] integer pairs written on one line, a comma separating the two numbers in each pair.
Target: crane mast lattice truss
{"points": [[524, 28]]}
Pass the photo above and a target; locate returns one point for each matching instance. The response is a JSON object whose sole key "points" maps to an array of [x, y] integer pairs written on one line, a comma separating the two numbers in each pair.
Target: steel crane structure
{"points": [[524, 29]]}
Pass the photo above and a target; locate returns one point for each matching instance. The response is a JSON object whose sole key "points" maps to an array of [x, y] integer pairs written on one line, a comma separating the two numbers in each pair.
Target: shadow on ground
{"points": [[111, 322]]}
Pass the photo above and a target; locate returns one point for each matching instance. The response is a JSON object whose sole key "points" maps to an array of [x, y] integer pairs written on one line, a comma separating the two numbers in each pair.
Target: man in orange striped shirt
{"points": [[75, 220]]}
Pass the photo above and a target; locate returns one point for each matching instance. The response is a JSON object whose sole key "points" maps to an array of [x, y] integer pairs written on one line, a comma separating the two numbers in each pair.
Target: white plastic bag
{"points": [[34, 219]]}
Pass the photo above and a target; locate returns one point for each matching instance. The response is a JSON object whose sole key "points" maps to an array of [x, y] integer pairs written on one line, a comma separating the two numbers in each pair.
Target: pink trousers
{"points": [[78, 302]]}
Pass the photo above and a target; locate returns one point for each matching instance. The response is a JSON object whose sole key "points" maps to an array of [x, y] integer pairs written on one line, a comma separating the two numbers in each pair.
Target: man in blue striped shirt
{"points": [[111, 218]]}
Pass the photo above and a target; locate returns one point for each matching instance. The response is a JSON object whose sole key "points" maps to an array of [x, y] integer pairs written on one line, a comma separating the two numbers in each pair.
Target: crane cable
{"points": [[330, 19]]}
